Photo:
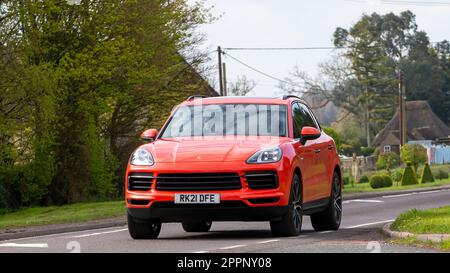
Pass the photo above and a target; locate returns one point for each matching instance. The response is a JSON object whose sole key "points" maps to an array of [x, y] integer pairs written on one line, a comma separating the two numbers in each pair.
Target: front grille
{"points": [[223, 204], [198, 181], [262, 180], [140, 181]]}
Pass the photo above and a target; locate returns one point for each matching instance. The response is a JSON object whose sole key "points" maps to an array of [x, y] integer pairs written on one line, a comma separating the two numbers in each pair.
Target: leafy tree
{"points": [[388, 161], [413, 153], [78, 81]]}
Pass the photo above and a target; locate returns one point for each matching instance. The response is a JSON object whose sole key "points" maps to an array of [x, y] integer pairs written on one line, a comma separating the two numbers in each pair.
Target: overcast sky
{"points": [[300, 23]]}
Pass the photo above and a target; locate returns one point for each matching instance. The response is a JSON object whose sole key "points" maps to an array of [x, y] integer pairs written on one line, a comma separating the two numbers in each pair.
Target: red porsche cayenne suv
{"points": [[235, 159]]}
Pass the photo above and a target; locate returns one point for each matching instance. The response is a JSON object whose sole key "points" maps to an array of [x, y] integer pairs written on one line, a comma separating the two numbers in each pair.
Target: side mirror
{"points": [[149, 135], [309, 133]]}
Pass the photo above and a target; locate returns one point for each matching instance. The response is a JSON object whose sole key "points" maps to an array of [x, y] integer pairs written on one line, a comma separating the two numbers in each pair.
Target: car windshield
{"points": [[228, 119]]}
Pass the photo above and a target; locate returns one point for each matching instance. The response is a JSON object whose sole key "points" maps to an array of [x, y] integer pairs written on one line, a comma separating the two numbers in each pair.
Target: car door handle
{"points": [[317, 151], [330, 147]]}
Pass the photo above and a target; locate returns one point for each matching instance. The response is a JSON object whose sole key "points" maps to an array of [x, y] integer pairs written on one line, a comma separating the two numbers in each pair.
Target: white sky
{"points": [[298, 23]]}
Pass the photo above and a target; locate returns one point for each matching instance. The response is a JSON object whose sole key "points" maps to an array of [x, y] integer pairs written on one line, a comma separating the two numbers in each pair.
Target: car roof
{"points": [[241, 100]]}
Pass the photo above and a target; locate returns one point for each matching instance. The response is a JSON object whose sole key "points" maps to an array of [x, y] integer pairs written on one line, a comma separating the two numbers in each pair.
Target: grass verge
{"points": [[365, 187], [73, 213], [433, 221]]}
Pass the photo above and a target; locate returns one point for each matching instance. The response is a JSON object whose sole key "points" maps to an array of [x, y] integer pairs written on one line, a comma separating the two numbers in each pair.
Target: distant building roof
{"points": [[421, 124]]}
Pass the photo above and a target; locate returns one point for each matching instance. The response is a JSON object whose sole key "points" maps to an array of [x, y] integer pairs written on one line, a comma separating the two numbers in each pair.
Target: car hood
{"points": [[209, 149]]}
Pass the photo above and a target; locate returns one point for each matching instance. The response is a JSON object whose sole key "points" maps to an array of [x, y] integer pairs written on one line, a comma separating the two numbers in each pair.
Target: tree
{"points": [[388, 161], [77, 81], [414, 154], [242, 86]]}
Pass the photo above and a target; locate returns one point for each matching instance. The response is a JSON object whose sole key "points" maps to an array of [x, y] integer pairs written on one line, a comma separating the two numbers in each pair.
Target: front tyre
{"points": [[291, 222], [143, 229], [196, 226], [330, 219]]}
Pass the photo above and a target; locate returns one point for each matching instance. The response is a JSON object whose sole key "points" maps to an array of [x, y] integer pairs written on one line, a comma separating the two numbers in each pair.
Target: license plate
{"points": [[197, 198]]}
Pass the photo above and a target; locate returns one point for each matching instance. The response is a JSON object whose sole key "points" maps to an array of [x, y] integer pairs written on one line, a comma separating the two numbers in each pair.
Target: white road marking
{"points": [[99, 233], [362, 201], [24, 245], [268, 241], [202, 251], [371, 224], [324, 232], [231, 247], [423, 192], [399, 195]]}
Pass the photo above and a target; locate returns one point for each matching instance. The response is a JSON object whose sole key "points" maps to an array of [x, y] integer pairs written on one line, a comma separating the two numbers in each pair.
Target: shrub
{"points": [[409, 176], [4, 198], [396, 175], [441, 174], [388, 161], [364, 179], [380, 181], [346, 180], [366, 151], [387, 181], [427, 176]]}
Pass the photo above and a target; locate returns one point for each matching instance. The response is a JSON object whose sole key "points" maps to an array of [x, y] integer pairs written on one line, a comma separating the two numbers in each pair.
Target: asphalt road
{"points": [[360, 232]]}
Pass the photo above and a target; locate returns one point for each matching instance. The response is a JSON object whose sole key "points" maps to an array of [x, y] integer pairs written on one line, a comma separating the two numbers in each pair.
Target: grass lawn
{"points": [[62, 214], [433, 221], [424, 221], [365, 187]]}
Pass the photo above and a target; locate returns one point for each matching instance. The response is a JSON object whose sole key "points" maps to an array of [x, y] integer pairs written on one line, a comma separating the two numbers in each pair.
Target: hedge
{"points": [[380, 181]]}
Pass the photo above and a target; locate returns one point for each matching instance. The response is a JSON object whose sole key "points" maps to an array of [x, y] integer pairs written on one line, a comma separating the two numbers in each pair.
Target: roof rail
{"points": [[196, 97], [285, 97]]}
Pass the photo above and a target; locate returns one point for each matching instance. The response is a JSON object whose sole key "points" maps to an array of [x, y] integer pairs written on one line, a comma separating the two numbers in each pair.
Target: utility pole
{"points": [[405, 118], [401, 108], [224, 71], [219, 51]]}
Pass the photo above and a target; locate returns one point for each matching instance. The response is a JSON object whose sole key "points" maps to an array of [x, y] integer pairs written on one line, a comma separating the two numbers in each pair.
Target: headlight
{"points": [[142, 157], [269, 155]]}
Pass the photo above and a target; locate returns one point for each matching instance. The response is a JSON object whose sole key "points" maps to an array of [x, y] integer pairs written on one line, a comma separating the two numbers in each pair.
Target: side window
{"points": [[297, 119], [309, 119]]}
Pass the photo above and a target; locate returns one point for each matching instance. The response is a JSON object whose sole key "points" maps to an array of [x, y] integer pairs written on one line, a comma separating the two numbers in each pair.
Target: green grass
{"points": [[413, 241], [365, 187], [62, 214], [433, 221]]}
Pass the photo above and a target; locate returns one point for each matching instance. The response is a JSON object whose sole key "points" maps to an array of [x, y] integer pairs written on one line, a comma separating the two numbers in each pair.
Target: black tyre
{"points": [[291, 222], [143, 229], [330, 219], [196, 226]]}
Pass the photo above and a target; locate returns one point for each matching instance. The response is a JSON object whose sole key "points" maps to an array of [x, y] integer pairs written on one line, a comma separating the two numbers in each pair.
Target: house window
{"points": [[387, 148]]}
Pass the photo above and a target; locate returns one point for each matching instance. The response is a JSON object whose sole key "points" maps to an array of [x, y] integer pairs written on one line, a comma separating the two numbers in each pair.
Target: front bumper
{"points": [[235, 205], [226, 211]]}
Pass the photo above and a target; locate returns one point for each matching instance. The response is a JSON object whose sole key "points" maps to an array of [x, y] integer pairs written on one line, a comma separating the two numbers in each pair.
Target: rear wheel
{"points": [[197, 226], [330, 219], [143, 229], [291, 223]]}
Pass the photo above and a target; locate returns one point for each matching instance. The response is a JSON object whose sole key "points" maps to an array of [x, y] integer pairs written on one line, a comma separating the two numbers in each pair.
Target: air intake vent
{"points": [[198, 181], [140, 181], [262, 180]]}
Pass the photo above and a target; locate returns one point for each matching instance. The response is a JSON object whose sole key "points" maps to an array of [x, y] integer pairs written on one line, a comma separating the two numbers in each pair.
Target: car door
{"points": [[322, 158], [305, 154]]}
